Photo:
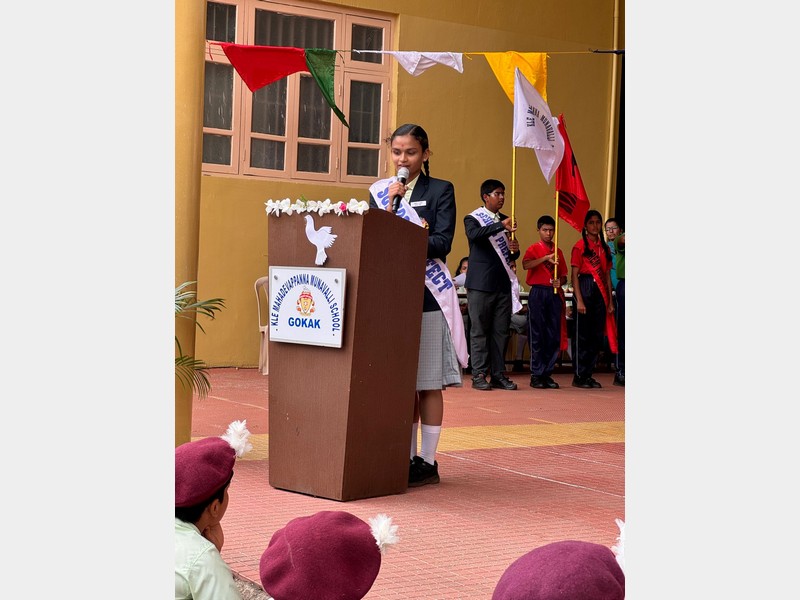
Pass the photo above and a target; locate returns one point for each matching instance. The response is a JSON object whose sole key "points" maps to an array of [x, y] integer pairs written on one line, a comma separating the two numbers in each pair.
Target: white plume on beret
{"points": [[236, 436], [383, 531], [619, 549]]}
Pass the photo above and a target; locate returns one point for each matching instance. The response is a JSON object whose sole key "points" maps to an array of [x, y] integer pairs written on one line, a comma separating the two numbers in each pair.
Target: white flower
{"points": [[284, 206], [279, 207], [276, 206], [324, 207], [356, 206], [298, 206]]}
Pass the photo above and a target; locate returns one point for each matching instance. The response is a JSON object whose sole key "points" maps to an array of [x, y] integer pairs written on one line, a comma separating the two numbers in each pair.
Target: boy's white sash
{"points": [[500, 244], [437, 277]]}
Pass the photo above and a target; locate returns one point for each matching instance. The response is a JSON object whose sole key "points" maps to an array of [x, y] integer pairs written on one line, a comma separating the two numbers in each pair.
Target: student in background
{"points": [[612, 230], [591, 279], [490, 286], [619, 244], [546, 305], [459, 277], [519, 325]]}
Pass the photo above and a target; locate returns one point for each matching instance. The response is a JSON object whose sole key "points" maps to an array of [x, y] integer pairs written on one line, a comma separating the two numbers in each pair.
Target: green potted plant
{"points": [[192, 372]]}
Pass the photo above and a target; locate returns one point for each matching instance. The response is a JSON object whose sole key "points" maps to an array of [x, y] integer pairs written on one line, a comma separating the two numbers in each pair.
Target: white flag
{"points": [[417, 63], [535, 127]]}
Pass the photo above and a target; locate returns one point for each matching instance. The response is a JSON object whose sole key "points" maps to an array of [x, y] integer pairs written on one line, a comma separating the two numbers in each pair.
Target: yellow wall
{"points": [[190, 18], [469, 121]]}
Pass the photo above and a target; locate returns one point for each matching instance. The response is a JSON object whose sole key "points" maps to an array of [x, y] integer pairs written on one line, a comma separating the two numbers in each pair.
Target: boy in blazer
{"points": [[489, 286]]}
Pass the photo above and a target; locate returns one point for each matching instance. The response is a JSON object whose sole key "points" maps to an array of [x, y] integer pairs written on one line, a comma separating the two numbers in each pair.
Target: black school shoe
{"points": [[413, 465], [502, 383], [619, 380], [423, 473], [581, 382], [594, 382], [539, 382], [479, 382], [550, 383]]}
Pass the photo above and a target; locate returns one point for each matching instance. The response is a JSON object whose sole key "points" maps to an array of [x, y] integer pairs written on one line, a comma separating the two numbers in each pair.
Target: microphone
{"points": [[402, 175]]}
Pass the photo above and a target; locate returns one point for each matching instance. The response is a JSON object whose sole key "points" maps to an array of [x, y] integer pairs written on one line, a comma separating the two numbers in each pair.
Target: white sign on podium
{"points": [[306, 305]]}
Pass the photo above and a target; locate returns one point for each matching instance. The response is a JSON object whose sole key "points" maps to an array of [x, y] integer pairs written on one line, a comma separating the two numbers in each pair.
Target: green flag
{"points": [[321, 63]]}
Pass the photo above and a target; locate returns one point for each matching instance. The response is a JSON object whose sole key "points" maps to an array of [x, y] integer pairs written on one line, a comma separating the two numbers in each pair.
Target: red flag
{"points": [[261, 65], [573, 202]]}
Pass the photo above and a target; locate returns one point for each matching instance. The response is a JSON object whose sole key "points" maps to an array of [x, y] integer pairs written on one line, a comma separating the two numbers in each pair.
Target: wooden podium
{"points": [[340, 418]]}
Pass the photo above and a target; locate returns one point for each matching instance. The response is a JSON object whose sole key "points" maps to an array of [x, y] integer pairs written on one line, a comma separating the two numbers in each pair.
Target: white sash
{"points": [[500, 244], [437, 277]]}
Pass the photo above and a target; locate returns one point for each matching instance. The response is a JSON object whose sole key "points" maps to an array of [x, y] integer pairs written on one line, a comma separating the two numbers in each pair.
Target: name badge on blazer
{"points": [[418, 203]]}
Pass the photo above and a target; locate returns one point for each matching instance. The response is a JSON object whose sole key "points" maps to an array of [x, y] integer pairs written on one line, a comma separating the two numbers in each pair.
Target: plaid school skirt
{"points": [[438, 364]]}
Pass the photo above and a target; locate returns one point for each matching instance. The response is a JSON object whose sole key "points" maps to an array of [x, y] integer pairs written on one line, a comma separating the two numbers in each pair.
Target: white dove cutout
{"points": [[322, 238]]}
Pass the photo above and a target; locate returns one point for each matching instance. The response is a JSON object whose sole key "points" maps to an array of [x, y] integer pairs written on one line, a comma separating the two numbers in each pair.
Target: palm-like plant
{"points": [[189, 370]]}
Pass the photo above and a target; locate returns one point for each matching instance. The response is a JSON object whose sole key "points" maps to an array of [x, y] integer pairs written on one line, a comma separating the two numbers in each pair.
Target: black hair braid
{"points": [[587, 251], [606, 248], [427, 167]]}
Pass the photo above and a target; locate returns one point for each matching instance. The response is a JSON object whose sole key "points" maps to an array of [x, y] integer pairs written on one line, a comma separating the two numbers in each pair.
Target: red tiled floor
{"points": [[519, 469]]}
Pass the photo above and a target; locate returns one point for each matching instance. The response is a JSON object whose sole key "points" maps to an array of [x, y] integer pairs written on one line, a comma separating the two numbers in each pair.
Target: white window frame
{"points": [[346, 71]]}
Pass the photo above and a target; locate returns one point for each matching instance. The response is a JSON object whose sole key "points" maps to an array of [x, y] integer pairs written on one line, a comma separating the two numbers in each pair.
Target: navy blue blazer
{"points": [[486, 271], [435, 201]]}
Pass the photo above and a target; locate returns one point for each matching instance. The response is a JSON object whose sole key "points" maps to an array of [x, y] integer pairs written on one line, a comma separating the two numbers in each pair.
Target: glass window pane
{"points": [[313, 158], [276, 29], [314, 113], [267, 154], [216, 149], [361, 161], [367, 38], [221, 22], [218, 101], [269, 108], [365, 112]]}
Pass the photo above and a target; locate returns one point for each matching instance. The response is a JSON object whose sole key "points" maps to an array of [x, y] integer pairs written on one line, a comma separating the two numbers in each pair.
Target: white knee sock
{"points": [[430, 440], [414, 429]]}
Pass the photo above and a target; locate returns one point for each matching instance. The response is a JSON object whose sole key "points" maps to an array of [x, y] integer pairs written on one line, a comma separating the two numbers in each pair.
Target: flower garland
{"points": [[285, 206]]}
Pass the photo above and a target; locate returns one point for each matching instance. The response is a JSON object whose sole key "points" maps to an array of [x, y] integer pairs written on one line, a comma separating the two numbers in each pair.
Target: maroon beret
{"points": [[566, 570], [331, 555], [204, 466]]}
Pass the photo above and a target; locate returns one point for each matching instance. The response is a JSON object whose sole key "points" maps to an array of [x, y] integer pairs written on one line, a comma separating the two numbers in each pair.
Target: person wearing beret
{"points": [[569, 569], [330, 555], [203, 472]]}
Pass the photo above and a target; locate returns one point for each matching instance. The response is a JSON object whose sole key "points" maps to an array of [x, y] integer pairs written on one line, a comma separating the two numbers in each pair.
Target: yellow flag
{"points": [[531, 64]]}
